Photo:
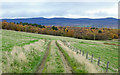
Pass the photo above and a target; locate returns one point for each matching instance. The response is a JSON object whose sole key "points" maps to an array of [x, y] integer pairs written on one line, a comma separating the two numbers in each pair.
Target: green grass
{"points": [[11, 39], [15, 64], [114, 41], [37, 57], [77, 67], [54, 61], [106, 52], [16, 58]]}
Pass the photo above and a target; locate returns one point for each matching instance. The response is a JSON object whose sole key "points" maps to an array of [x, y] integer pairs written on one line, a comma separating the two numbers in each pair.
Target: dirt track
{"points": [[67, 68], [41, 66], [89, 66]]}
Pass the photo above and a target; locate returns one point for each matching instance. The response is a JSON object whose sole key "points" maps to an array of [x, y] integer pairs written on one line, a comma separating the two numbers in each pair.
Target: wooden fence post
{"points": [[107, 66], [99, 61], [77, 51], [92, 58], [86, 55], [83, 53]]}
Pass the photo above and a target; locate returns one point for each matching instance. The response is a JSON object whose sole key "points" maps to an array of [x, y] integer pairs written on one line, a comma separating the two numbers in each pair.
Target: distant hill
{"points": [[80, 22]]}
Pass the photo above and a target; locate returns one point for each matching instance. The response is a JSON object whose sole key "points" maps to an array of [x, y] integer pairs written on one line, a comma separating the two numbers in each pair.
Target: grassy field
{"points": [[23, 59], [98, 49], [23, 52], [20, 52]]}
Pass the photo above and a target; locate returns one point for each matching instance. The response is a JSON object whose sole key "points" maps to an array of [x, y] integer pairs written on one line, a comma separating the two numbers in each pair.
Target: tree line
{"points": [[90, 33], [37, 25]]}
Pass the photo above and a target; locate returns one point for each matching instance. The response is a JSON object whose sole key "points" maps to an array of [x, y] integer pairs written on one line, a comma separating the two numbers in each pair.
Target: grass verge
{"points": [[75, 65]]}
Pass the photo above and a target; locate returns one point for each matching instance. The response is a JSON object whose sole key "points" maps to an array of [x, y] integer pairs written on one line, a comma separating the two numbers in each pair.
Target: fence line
{"points": [[91, 58]]}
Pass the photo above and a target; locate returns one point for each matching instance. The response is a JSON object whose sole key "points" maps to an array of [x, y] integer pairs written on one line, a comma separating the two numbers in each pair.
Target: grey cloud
{"points": [[24, 9]]}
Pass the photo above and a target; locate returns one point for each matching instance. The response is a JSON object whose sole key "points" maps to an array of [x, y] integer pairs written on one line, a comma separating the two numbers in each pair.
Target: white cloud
{"points": [[113, 11], [59, 9], [72, 16]]}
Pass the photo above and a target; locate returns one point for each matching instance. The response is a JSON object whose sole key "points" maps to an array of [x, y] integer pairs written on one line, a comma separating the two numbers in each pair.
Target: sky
{"points": [[67, 9]]}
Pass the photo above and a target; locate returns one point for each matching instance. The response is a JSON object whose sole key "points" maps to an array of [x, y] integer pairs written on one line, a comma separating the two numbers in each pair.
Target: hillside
{"points": [[80, 22], [29, 53], [90, 33]]}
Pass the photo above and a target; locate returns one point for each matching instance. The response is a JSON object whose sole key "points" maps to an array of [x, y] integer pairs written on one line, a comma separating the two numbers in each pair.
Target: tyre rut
{"points": [[42, 64], [67, 68]]}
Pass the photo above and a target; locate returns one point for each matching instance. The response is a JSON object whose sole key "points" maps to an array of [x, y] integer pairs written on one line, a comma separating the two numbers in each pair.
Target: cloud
{"points": [[107, 12], [59, 9]]}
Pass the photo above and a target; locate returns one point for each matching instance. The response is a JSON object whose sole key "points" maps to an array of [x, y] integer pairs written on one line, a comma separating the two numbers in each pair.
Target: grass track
{"points": [[54, 62]]}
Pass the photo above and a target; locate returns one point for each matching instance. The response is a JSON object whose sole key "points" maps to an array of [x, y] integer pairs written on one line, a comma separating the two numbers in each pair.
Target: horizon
{"points": [[57, 17]]}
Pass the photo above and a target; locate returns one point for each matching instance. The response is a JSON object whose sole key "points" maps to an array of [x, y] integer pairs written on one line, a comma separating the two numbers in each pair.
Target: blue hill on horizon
{"points": [[79, 22]]}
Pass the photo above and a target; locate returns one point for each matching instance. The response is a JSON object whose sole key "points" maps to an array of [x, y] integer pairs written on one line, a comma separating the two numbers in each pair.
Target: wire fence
{"points": [[91, 58]]}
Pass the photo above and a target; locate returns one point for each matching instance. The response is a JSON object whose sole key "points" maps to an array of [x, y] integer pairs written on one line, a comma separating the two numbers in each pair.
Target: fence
{"points": [[91, 58]]}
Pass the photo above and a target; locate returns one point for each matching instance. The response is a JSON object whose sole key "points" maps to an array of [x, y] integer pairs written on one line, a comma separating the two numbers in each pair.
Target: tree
{"points": [[54, 28], [77, 32], [99, 31], [20, 22]]}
